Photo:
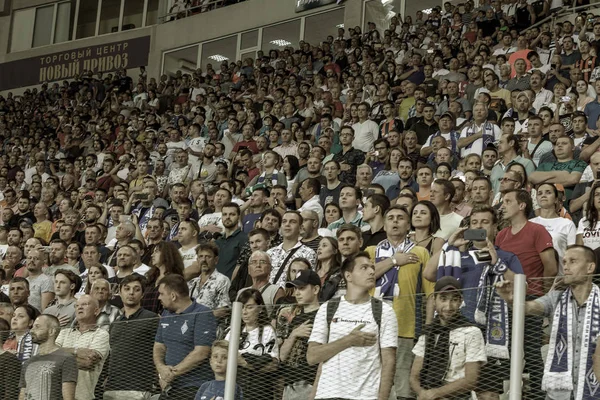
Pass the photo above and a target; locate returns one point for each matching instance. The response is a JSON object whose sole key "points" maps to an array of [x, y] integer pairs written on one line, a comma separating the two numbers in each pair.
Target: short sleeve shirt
{"points": [[181, 333], [42, 376], [38, 285]]}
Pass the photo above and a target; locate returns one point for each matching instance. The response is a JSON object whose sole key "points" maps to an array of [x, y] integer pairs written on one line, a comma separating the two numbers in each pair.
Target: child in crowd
{"points": [[215, 390]]}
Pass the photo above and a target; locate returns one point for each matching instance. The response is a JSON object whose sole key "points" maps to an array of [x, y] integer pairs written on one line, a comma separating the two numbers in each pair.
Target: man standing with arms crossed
{"points": [[358, 332]]}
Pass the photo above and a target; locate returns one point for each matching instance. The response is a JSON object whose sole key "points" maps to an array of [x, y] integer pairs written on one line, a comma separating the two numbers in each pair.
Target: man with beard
{"points": [[431, 377], [208, 168], [57, 366], [41, 287], [58, 248], [405, 173], [125, 262], [211, 288], [232, 241]]}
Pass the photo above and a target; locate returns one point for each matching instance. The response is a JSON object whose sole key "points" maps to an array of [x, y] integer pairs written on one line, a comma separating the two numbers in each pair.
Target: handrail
{"points": [[189, 11]]}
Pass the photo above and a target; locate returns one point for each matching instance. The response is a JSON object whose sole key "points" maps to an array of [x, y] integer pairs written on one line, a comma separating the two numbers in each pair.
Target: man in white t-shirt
{"points": [[355, 337], [441, 194], [449, 355]]}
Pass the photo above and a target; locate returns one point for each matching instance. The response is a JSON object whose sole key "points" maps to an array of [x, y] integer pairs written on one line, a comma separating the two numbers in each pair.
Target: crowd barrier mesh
{"points": [[282, 352]]}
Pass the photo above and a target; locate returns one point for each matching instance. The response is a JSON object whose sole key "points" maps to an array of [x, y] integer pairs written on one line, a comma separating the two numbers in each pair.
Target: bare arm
{"points": [[464, 142], [550, 266], [388, 369], [22, 394], [505, 290], [68, 390], [415, 375], [587, 152], [47, 298], [577, 204], [564, 177], [462, 385], [579, 239]]}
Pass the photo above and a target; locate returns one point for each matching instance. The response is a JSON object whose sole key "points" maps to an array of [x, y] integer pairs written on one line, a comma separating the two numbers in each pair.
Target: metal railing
{"points": [[206, 6]]}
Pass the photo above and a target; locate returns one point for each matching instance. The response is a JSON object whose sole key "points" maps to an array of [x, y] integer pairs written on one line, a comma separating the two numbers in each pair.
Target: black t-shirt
{"points": [[296, 368]]}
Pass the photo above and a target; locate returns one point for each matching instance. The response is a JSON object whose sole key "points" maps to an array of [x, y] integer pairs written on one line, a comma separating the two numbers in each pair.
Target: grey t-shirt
{"points": [[42, 376], [38, 285]]}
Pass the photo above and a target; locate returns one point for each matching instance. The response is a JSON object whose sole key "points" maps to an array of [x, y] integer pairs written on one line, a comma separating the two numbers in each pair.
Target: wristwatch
{"points": [[394, 262]]}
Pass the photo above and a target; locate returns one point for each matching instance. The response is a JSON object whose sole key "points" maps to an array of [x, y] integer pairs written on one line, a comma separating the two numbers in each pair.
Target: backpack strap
{"points": [[332, 306], [377, 309]]}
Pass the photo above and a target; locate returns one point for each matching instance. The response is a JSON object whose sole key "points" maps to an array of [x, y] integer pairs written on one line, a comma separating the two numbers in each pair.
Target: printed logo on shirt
{"points": [[351, 321]]}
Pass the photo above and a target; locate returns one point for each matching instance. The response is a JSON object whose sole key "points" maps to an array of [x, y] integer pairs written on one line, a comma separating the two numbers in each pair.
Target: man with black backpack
{"points": [[357, 333], [449, 355]]}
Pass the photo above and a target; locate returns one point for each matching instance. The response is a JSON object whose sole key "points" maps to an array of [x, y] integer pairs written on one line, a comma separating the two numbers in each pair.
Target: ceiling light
{"points": [[428, 11], [280, 42], [218, 58], [339, 26]]}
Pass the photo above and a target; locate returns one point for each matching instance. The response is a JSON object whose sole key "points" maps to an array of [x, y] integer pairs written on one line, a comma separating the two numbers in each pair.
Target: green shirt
{"points": [[570, 166]]}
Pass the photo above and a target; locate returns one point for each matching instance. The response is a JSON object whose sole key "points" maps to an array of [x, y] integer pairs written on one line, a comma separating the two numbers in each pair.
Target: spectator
{"points": [[53, 372], [431, 375], [211, 288], [230, 244], [19, 342], [350, 200], [398, 270], [281, 255], [41, 287], [297, 373], [131, 342], [533, 245], [88, 344], [182, 345], [66, 284], [373, 212], [58, 249], [166, 260], [349, 158], [259, 350], [478, 273], [101, 292], [335, 344], [310, 230], [218, 364], [580, 263], [18, 291]]}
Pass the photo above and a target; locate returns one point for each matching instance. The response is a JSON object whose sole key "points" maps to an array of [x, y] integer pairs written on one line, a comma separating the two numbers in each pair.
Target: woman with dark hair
{"points": [[588, 230], [291, 166], [94, 272], [165, 260], [259, 350], [332, 213], [19, 341], [329, 269], [425, 221]]}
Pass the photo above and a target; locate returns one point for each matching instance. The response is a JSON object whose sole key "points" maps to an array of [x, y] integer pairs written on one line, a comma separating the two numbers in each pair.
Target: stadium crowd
{"points": [[424, 165]]}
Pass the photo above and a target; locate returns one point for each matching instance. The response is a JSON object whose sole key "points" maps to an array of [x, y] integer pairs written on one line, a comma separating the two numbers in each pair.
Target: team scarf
{"points": [[488, 134], [490, 311], [274, 175], [387, 287], [454, 136], [558, 371], [143, 219]]}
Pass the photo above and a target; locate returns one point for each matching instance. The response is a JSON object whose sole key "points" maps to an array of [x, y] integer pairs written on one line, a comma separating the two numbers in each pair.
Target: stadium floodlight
{"points": [[339, 26], [427, 11], [280, 42], [218, 58]]}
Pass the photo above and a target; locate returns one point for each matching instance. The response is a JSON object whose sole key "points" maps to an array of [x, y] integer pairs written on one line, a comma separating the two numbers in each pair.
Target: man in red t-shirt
{"points": [[532, 244]]}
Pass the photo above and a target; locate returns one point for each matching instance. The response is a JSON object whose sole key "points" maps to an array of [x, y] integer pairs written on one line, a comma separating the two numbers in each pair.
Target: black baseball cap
{"points": [[447, 283], [303, 278]]}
